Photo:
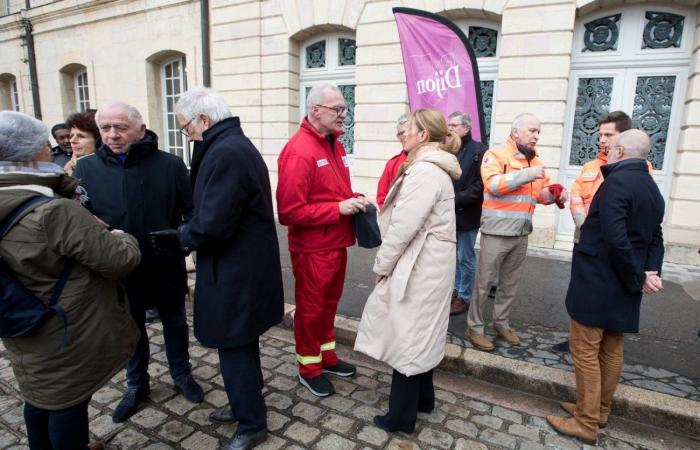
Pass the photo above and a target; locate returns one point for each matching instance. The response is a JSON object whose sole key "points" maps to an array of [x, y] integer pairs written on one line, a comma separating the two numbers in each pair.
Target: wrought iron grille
{"points": [[663, 30], [346, 52], [487, 102], [316, 55], [601, 34], [483, 40], [592, 101], [653, 99], [348, 139]]}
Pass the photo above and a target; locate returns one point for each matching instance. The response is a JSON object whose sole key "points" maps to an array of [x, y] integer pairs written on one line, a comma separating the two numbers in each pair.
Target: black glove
{"points": [[167, 243]]}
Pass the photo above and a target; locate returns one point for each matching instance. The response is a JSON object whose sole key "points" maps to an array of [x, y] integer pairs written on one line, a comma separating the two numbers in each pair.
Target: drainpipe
{"points": [[28, 39], [204, 27]]}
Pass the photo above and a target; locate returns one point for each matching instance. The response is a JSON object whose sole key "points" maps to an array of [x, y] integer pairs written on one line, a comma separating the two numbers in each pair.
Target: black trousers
{"points": [[62, 429], [243, 381], [408, 396]]}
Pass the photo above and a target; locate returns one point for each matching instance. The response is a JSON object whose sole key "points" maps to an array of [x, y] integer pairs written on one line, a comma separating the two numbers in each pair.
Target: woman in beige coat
{"points": [[404, 323]]}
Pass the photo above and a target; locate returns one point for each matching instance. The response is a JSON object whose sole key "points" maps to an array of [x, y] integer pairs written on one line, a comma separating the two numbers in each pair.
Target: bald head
{"points": [[629, 144]]}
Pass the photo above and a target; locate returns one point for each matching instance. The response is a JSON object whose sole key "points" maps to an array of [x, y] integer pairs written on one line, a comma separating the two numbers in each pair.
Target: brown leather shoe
{"points": [[458, 307], [480, 341], [95, 445], [570, 407], [508, 336], [570, 426]]}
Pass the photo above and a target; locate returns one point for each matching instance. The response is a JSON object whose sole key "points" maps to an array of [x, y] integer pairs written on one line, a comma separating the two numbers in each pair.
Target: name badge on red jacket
{"points": [[322, 162]]}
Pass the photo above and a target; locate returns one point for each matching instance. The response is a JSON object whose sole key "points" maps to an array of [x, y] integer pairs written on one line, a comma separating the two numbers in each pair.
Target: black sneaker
{"points": [[320, 386], [562, 347], [189, 388], [342, 369], [129, 404]]}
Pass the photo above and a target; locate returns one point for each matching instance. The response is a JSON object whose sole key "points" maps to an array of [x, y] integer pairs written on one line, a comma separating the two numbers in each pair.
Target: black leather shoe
{"points": [[383, 423], [189, 388], [129, 404], [224, 415], [562, 347], [342, 369], [245, 441]]}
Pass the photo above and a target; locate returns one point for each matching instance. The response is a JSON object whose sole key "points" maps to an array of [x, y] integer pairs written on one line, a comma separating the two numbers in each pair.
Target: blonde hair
{"points": [[434, 122]]}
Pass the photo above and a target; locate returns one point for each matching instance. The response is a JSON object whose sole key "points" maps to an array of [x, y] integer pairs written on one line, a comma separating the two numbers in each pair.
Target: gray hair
{"points": [[519, 119], [403, 118], [464, 117], [203, 100], [131, 112], [635, 142], [316, 94], [22, 137]]}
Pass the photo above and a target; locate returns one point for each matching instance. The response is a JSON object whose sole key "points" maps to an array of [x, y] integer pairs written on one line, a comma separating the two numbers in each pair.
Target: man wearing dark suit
{"points": [[239, 294], [618, 258]]}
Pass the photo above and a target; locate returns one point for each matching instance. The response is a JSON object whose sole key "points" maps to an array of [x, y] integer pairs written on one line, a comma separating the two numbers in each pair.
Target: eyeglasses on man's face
{"points": [[339, 110], [184, 131]]}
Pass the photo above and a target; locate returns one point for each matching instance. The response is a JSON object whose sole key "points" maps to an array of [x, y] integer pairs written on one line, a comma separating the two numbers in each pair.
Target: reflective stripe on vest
{"points": [[328, 346], [306, 360], [506, 214], [510, 198]]}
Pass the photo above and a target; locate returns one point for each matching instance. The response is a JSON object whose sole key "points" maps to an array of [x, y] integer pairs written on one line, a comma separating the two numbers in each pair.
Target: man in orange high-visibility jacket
{"points": [[514, 182]]}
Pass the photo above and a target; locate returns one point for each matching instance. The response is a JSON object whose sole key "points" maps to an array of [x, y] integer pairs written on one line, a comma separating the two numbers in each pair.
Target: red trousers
{"points": [[319, 279]]}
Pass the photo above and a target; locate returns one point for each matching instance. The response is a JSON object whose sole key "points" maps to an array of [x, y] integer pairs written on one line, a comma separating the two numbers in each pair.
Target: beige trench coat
{"points": [[404, 323]]}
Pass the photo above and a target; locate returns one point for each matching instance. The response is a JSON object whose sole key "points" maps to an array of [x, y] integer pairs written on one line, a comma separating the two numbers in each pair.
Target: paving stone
{"points": [[366, 413], [435, 416], [161, 392], [306, 395], [200, 441], [366, 382], [7, 402], [218, 380], [436, 438], [205, 372], [343, 388], [282, 383], [539, 422], [367, 397], [560, 442], [334, 442], [477, 406], [302, 433], [402, 444], [278, 401], [530, 433], [468, 444], [174, 431], [201, 416], [497, 438], [217, 398], [227, 430], [530, 445], [337, 423], [271, 443], [337, 403], [128, 438], [158, 446], [269, 363], [366, 371], [148, 418], [288, 369], [445, 396], [107, 395], [373, 435], [103, 425], [487, 421], [276, 421], [658, 386], [507, 414], [307, 412], [7, 438], [614, 444], [179, 405], [455, 410], [462, 427], [269, 351]]}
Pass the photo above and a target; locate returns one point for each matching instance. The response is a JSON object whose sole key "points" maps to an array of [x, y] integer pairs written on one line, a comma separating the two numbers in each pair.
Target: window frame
{"points": [[79, 100], [14, 95], [186, 154]]}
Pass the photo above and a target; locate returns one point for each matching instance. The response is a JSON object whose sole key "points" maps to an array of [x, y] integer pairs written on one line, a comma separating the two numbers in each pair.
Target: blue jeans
{"points": [[466, 264], [175, 334], [62, 429]]}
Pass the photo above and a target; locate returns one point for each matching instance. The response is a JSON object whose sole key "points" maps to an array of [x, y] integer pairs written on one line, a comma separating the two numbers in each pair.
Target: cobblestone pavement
{"points": [[470, 414], [536, 347]]}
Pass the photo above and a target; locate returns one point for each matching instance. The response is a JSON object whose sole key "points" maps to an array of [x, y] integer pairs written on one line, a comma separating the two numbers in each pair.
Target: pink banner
{"points": [[440, 66]]}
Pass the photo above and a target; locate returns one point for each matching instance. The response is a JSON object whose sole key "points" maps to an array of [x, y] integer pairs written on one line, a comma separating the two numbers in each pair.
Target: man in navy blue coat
{"points": [[618, 258], [239, 293]]}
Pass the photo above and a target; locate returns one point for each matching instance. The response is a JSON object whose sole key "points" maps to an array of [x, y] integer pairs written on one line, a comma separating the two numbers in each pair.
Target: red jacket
{"points": [[312, 179], [392, 166]]}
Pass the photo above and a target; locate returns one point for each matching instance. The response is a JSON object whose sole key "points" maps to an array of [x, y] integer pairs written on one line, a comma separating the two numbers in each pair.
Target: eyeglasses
{"points": [[339, 110], [184, 131]]}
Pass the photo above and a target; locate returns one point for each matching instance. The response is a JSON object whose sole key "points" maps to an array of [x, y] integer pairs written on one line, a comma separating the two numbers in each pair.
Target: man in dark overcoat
{"points": [[618, 258], [239, 293], [135, 187]]}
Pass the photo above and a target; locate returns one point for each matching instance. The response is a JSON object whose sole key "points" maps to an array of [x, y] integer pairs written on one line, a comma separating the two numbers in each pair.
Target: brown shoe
{"points": [[458, 307], [570, 407], [480, 341], [508, 336], [570, 426], [95, 445], [454, 296]]}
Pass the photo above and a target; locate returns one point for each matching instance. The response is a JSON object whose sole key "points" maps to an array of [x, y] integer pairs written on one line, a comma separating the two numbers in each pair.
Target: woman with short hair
{"points": [[60, 364], [404, 323], [84, 137]]}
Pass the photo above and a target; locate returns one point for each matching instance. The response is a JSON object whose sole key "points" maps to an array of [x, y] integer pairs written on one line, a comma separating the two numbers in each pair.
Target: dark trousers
{"points": [[62, 429], [175, 333], [408, 396], [243, 381]]}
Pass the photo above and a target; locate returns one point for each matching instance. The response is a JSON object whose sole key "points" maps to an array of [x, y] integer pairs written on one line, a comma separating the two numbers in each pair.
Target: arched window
{"points": [[330, 58], [485, 39], [82, 91], [634, 59], [9, 95], [75, 88]]}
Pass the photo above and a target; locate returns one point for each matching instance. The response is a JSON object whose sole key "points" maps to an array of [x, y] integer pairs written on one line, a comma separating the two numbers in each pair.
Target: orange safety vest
{"points": [[585, 186], [510, 193]]}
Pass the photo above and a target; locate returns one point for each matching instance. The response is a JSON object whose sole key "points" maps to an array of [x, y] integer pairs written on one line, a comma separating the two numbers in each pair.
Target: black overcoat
{"points": [[469, 189], [148, 191], [239, 293], [620, 240]]}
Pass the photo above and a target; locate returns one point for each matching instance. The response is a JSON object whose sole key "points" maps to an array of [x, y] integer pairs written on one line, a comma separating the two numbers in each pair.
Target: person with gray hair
{"points": [[136, 187], [239, 293], [469, 194], [392, 166], [57, 250]]}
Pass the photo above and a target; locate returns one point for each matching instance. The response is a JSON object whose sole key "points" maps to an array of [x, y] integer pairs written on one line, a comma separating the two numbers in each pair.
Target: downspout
{"points": [[204, 27], [28, 39]]}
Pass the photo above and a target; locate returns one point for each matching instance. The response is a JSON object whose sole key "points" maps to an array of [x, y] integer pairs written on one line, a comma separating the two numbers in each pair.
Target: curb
{"points": [[641, 405]]}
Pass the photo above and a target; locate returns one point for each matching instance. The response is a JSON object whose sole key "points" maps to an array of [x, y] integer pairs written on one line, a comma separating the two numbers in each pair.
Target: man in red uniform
{"points": [[315, 200], [392, 166]]}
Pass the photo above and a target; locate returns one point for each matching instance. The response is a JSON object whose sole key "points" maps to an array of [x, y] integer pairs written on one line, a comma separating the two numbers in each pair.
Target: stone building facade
{"points": [[567, 61]]}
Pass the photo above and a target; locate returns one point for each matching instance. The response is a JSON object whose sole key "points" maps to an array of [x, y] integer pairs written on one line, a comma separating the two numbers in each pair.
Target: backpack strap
{"points": [[10, 220]]}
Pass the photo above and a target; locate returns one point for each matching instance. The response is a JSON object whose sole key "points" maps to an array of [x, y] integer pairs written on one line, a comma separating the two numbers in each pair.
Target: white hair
{"points": [[131, 112], [317, 94], [403, 118], [22, 137], [519, 119], [203, 100], [465, 118]]}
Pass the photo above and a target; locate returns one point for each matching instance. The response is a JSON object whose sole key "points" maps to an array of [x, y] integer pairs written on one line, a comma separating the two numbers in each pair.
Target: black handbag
{"points": [[367, 228]]}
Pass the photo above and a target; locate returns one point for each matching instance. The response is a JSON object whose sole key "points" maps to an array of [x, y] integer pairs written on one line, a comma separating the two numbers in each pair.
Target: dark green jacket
{"points": [[101, 334]]}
